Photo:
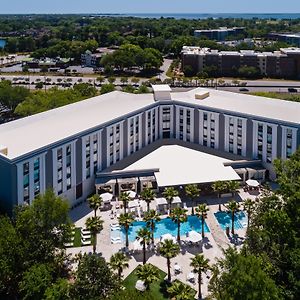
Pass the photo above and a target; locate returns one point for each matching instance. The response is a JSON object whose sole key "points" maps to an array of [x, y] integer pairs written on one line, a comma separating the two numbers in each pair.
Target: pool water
{"points": [[162, 227], [224, 219]]}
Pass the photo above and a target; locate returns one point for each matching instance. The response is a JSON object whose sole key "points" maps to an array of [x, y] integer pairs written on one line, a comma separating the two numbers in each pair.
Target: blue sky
{"points": [[149, 6]]}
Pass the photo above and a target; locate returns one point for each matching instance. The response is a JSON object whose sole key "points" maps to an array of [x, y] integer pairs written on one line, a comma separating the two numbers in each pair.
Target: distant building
{"points": [[219, 34], [92, 60], [289, 38], [284, 63], [50, 63]]}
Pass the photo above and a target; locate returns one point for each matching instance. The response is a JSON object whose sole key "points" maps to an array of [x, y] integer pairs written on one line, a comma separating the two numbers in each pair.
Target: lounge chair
{"points": [[177, 268], [191, 277], [116, 240], [85, 242], [69, 244]]}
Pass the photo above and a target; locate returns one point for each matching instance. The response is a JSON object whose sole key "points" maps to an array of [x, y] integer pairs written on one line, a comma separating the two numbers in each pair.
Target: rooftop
{"points": [[38, 131], [179, 166]]}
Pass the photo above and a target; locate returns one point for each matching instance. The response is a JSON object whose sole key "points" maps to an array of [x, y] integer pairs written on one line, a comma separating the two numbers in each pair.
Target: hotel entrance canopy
{"points": [[180, 166]]}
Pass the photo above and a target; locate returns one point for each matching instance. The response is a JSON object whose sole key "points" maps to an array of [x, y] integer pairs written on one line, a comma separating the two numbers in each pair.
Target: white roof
{"points": [[161, 88], [179, 166], [106, 197], [236, 103], [38, 131]]}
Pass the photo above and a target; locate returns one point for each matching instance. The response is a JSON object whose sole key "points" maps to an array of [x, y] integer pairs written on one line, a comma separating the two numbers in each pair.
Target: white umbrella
{"points": [[131, 194], [161, 201], [140, 286], [194, 237], [176, 200], [167, 236], [133, 203], [106, 197], [137, 245], [252, 183]]}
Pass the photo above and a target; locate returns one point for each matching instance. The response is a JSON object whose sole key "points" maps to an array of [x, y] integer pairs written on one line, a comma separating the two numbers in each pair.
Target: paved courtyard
{"points": [[211, 247]]}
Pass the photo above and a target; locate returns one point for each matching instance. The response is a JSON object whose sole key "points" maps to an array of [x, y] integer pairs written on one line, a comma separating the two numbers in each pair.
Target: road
{"points": [[164, 68]]}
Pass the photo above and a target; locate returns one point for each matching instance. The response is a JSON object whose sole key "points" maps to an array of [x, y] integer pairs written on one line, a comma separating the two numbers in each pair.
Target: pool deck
{"points": [[211, 247]]}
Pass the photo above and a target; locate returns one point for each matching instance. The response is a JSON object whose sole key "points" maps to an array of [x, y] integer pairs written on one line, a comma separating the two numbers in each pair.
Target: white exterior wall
{"points": [[283, 141], [210, 116], [121, 143], [153, 114], [137, 137], [185, 110]]}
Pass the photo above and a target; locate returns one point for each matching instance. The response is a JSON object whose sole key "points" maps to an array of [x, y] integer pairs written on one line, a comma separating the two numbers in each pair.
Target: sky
{"points": [[148, 6]]}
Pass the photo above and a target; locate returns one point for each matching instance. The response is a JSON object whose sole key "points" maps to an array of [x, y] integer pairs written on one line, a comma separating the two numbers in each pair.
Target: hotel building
{"points": [[67, 148]]}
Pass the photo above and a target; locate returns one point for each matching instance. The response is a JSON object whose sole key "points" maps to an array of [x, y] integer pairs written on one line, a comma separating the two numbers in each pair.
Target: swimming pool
{"points": [[224, 219], [162, 227]]}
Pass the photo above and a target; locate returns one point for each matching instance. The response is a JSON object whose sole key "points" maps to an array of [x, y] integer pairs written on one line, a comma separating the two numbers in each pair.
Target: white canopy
{"points": [[131, 194], [161, 201], [167, 236], [140, 286], [252, 183], [194, 237], [176, 200], [137, 245], [133, 203], [106, 197]]}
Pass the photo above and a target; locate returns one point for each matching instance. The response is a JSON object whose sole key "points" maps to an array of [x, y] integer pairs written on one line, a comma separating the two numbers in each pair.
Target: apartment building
{"points": [[283, 64], [65, 148], [289, 38]]}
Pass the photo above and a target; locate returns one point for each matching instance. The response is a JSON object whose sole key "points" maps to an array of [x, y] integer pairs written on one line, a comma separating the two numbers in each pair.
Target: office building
{"points": [[220, 34]]}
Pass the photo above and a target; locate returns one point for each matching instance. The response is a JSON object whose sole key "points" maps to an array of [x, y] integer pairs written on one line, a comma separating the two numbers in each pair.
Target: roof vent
{"points": [[161, 92], [3, 150], [202, 96]]}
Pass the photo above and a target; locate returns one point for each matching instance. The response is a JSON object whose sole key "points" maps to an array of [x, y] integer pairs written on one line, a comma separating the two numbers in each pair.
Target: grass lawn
{"points": [[157, 291], [77, 237]]}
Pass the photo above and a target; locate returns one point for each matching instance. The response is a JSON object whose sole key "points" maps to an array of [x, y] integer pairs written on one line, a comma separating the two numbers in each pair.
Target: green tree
{"points": [[170, 193], [219, 187], [180, 291], [111, 80], [242, 277], [201, 212], [232, 207], [126, 221], [107, 88], [35, 281], [124, 197], [249, 207], [85, 90], [148, 274], [200, 265], [119, 261], [169, 250], [144, 236], [93, 279], [95, 225], [151, 217], [148, 195], [101, 79], [60, 290], [192, 191], [95, 202], [178, 215]]}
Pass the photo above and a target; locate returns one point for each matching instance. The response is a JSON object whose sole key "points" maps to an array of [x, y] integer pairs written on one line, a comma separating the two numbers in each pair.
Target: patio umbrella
{"points": [[176, 200], [161, 201], [133, 203], [167, 236], [106, 197], [140, 286], [194, 237], [137, 245], [252, 183], [131, 194]]}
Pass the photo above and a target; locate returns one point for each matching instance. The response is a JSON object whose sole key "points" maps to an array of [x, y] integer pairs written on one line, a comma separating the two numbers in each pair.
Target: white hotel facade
{"points": [[65, 148]]}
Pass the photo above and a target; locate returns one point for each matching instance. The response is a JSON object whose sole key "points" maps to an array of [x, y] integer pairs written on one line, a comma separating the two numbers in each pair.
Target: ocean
{"points": [[214, 16]]}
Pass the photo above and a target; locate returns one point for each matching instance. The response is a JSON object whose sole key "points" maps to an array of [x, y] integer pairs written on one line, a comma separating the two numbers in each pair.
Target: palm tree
{"points": [[199, 264], [233, 207], [144, 235], [169, 193], [192, 191], [180, 291], [201, 212], [101, 79], [126, 221], [148, 195], [233, 186], [148, 274], [219, 187], [95, 225], [119, 261], [124, 197], [248, 207], [169, 249], [95, 202], [151, 217], [178, 215]]}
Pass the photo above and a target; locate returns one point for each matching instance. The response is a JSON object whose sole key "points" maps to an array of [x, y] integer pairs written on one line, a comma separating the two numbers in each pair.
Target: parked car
{"points": [[292, 90], [243, 90]]}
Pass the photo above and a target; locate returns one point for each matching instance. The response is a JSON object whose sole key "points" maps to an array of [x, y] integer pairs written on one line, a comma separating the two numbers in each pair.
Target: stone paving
{"points": [[211, 247]]}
